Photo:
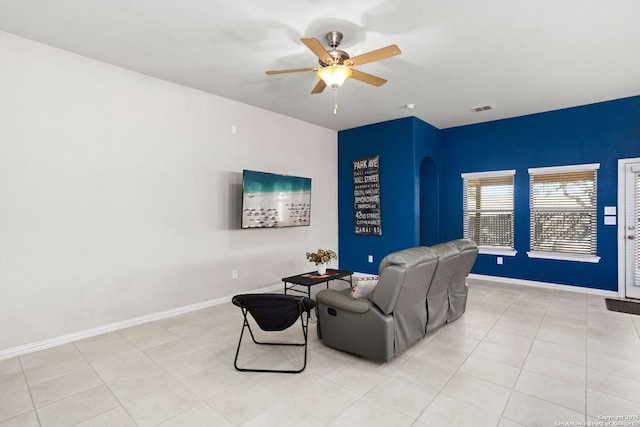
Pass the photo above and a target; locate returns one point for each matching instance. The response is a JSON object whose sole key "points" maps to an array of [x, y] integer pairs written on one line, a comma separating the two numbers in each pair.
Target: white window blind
{"points": [[563, 209], [488, 208]]}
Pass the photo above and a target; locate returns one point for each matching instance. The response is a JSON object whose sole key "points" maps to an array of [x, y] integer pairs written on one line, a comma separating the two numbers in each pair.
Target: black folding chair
{"points": [[274, 312]]}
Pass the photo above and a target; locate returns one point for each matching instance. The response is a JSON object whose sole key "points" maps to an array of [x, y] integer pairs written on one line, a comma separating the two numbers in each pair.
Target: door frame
{"points": [[622, 199]]}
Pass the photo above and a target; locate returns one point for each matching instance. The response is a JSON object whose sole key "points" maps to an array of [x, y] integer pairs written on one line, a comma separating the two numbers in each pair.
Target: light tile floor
{"points": [[519, 356]]}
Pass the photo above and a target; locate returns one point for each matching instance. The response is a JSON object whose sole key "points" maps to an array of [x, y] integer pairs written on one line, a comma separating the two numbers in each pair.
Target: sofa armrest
{"points": [[342, 301]]}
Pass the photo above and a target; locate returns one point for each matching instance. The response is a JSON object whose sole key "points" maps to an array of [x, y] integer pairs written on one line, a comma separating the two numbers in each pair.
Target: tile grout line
{"points": [[33, 403], [586, 361], [466, 358], [515, 383], [104, 383]]}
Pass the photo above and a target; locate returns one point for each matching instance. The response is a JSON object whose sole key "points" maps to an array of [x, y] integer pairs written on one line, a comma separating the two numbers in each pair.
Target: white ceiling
{"points": [[521, 56]]}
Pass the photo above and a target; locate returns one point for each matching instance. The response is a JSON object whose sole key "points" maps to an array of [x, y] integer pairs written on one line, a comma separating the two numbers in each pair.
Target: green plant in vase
{"points": [[321, 258]]}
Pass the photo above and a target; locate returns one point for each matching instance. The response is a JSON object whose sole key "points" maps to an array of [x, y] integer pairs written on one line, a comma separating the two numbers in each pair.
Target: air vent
{"points": [[482, 108]]}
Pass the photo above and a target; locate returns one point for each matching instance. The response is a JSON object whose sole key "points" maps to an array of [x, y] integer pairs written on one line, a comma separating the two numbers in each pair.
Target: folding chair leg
{"points": [[245, 323]]}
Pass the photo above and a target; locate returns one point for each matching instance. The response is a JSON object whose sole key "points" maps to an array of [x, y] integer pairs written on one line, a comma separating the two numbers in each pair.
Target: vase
{"points": [[322, 268]]}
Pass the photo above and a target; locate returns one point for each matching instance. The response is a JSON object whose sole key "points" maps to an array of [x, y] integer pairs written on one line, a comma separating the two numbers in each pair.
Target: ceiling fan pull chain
{"points": [[335, 100]]}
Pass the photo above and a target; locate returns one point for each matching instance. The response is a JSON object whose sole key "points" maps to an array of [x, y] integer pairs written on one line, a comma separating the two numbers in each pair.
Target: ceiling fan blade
{"points": [[293, 70], [319, 87], [374, 55], [367, 78], [316, 47]]}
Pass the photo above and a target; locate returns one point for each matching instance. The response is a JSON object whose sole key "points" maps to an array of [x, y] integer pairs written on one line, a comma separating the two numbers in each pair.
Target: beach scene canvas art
{"points": [[272, 200]]}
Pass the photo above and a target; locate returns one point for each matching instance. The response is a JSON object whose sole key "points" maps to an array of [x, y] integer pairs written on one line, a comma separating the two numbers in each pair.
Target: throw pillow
{"points": [[364, 287]]}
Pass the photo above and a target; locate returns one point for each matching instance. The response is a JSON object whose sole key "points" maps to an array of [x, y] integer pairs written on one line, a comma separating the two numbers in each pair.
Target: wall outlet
{"points": [[234, 274], [370, 258], [499, 260]]}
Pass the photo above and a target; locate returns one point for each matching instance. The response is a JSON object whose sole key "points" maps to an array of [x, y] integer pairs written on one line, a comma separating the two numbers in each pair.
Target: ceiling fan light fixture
{"points": [[334, 75]]}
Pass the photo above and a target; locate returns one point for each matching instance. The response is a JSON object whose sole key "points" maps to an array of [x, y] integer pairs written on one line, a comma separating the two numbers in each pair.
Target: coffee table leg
{"points": [[312, 313]]}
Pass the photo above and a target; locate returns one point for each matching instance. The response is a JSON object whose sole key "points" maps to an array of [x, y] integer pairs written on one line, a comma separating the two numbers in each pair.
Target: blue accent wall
{"points": [[401, 145], [597, 133], [416, 157]]}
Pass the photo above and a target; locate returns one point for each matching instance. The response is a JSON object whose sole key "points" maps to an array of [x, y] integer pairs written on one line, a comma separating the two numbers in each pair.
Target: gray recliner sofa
{"points": [[419, 290], [392, 319], [458, 289], [438, 294], [447, 295]]}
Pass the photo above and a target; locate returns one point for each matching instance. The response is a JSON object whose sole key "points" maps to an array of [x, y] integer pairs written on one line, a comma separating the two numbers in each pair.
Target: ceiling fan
{"points": [[336, 65]]}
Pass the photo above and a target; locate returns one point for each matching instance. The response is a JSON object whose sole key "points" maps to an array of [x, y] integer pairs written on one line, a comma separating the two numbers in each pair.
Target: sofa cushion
{"points": [[364, 287], [342, 301], [407, 258]]}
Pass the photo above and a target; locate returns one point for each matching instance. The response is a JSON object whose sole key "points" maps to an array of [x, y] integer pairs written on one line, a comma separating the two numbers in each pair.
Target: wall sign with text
{"points": [[367, 218]]}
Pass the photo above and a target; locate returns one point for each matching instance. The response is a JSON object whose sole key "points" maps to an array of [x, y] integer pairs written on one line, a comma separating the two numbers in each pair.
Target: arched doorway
{"points": [[429, 203]]}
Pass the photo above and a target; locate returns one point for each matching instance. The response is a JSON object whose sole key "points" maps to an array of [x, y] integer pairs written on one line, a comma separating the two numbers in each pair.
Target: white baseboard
{"points": [[88, 333], [522, 282]]}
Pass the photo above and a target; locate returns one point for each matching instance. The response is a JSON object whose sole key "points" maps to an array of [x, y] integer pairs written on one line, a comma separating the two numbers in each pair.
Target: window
{"points": [[488, 211], [563, 212]]}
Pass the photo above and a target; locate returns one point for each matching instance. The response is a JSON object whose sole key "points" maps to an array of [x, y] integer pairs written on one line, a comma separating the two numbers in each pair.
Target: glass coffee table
{"points": [[313, 278]]}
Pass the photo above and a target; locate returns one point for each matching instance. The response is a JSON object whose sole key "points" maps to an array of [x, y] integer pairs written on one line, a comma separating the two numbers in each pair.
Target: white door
{"points": [[629, 256]]}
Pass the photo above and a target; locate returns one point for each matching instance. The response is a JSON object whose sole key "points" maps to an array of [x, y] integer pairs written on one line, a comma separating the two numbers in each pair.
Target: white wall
{"points": [[120, 194]]}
